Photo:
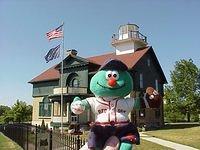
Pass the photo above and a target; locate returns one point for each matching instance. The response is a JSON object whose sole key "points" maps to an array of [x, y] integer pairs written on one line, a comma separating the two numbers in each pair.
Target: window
{"points": [[123, 30], [156, 84], [142, 113], [73, 80], [141, 80], [56, 109], [45, 108], [74, 117], [148, 62]]}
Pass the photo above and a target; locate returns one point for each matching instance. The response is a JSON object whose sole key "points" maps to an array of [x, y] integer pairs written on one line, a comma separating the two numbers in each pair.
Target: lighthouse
{"points": [[128, 39]]}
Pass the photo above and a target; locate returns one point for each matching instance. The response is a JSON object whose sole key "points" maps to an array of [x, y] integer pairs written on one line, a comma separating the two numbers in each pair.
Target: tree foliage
{"points": [[3, 109], [183, 95], [19, 112]]}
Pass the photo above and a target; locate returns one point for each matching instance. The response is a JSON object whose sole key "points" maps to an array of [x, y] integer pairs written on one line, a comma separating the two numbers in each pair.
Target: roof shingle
{"points": [[129, 59], [50, 74]]}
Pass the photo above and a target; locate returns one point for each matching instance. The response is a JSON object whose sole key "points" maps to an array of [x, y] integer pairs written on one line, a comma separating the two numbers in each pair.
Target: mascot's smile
{"points": [[111, 87]]}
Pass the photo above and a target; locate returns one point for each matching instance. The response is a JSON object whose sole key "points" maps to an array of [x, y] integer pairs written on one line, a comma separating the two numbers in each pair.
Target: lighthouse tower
{"points": [[128, 39]]}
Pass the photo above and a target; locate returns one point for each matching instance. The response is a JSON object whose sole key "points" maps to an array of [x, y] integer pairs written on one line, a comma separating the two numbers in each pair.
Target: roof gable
{"points": [[152, 53], [70, 61], [129, 59]]}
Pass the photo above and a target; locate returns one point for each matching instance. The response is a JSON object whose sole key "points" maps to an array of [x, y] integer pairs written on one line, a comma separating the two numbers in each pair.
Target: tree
{"points": [[8, 116], [3, 109], [184, 93], [172, 106], [21, 111]]}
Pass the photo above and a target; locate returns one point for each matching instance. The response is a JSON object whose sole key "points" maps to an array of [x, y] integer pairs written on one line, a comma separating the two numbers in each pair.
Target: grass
{"points": [[7, 144], [179, 133]]}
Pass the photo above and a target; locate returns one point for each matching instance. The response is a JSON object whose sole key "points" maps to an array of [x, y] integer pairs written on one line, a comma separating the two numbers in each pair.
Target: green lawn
{"points": [[7, 144], [183, 134]]}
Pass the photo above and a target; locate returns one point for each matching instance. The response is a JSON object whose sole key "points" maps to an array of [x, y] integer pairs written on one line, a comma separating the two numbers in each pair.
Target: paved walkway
{"points": [[166, 143]]}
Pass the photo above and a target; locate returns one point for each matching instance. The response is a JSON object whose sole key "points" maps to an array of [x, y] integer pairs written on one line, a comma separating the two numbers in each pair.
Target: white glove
{"points": [[77, 107]]}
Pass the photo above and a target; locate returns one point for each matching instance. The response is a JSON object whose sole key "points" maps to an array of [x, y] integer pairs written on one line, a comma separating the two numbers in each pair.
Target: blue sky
{"points": [[172, 28]]}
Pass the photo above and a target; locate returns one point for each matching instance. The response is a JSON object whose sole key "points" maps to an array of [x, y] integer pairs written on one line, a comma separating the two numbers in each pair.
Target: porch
{"points": [[69, 93]]}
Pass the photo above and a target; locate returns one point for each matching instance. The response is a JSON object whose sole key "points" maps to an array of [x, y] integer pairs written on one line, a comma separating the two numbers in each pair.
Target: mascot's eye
{"points": [[115, 75], [108, 74]]}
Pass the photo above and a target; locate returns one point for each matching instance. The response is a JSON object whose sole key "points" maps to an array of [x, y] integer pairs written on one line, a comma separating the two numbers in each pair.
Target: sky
{"points": [[172, 28]]}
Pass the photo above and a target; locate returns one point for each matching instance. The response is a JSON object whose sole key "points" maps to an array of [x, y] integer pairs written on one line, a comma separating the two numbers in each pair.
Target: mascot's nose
{"points": [[112, 82]]}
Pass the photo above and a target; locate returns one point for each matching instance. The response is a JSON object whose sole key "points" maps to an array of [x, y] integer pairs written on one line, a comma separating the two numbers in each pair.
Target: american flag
{"points": [[53, 53], [56, 33]]}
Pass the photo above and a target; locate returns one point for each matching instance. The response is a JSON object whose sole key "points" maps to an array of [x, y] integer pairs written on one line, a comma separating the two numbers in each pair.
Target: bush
{"points": [[175, 117], [195, 117]]}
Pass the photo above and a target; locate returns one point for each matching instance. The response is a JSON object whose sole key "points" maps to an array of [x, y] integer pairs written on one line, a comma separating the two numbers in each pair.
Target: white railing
{"points": [[58, 119], [130, 34]]}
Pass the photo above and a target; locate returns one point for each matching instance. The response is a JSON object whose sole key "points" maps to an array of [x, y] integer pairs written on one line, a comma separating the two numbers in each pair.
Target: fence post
{"points": [[78, 142], [36, 130], [27, 136], [50, 139]]}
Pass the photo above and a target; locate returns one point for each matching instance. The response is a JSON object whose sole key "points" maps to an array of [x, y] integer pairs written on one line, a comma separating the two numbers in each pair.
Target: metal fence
{"points": [[31, 137]]}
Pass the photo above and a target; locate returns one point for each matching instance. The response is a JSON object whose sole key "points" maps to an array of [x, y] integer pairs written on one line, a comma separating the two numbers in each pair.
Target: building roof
{"points": [[50, 74], [130, 60]]}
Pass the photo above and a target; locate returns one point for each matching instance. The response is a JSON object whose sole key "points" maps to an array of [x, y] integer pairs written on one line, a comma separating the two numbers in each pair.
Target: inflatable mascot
{"points": [[112, 129]]}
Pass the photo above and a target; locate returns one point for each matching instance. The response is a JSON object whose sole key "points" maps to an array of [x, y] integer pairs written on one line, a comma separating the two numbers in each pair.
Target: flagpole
{"points": [[61, 81]]}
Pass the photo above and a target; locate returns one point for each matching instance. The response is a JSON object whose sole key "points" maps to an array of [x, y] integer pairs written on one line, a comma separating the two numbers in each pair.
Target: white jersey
{"points": [[111, 111]]}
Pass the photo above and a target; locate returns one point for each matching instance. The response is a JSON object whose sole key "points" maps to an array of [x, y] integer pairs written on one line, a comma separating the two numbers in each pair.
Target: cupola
{"points": [[128, 39]]}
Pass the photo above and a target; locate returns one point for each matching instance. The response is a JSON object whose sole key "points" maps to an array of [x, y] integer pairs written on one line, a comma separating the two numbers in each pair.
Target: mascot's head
{"points": [[112, 80]]}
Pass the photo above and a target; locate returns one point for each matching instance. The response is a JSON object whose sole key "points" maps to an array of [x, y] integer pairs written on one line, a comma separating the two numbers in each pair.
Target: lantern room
{"points": [[128, 39]]}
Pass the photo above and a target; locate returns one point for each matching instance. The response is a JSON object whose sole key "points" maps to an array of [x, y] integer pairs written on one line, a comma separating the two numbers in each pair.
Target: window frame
{"points": [[45, 112], [73, 80]]}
